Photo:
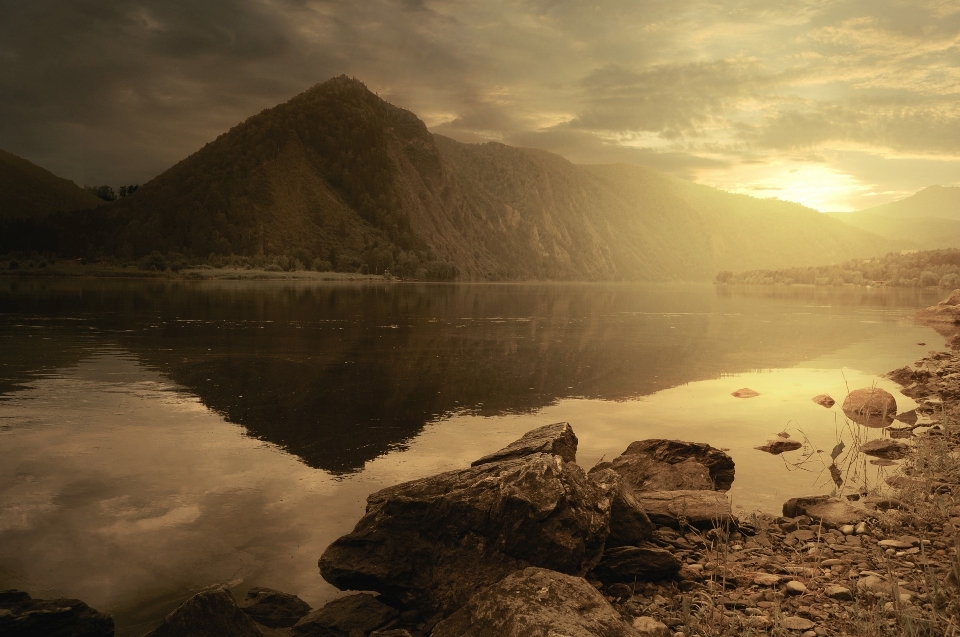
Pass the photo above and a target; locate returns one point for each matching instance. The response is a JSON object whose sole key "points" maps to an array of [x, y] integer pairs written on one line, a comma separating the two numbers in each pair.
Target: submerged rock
{"points": [[670, 465], [886, 449], [776, 447], [636, 563], [699, 509], [273, 608], [824, 401], [23, 616], [870, 406], [343, 616], [208, 613], [745, 392], [536, 602], [557, 439], [432, 543]]}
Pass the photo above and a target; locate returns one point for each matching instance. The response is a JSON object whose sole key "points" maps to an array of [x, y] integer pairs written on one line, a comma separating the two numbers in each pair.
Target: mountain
{"points": [[28, 191], [337, 177], [936, 201]]}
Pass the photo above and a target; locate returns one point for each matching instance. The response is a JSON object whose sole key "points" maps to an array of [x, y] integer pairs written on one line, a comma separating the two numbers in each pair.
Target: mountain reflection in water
{"points": [[339, 374]]}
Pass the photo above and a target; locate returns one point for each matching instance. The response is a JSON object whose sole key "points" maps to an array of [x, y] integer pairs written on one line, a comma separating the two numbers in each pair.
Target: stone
{"points": [[650, 627], [636, 563], [794, 587], [700, 509], [431, 543], [620, 591], [536, 602], [394, 632], [894, 544], [824, 401], [629, 523], [745, 392], [886, 449], [874, 584], [824, 508], [792, 622], [670, 465], [274, 608], [946, 311], [360, 612], [212, 612], [557, 439], [776, 447], [870, 406], [766, 579], [847, 529], [840, 593], [23, 616]]}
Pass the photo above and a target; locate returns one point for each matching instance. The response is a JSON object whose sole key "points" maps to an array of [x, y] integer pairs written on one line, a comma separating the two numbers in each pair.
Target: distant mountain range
{"points": [[27, 191], [930, 219], [337, 177]]}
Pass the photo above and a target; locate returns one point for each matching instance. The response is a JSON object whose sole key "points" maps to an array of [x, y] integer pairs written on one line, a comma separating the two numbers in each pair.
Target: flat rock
{"points": [[361, 612], [557, 439], [745, 392], [792, 622], [699, 509], [393, 632], [874, 584], [870, 406], [824, 401], [431, 543], [208, 613], [824, 508], [841, 593], [886, 449], [629, 523], [766, 579], [23, 616], [778, 446], [669, 465], [536, 602], [894, 544], [650, 627], [633, 563], [274, 608]]}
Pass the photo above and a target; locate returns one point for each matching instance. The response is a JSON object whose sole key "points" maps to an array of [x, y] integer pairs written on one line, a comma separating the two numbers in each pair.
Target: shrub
{"points": [[153, 261]]}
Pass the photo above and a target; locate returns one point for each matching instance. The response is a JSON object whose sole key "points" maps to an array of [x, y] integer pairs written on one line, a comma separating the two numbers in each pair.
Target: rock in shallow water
{"points": [[886, 449], [431, 543], [536, 602], [557, 439], [776, 447], [824, 401], [870, 406], [23, 616], [208, 613], [273, 608]]}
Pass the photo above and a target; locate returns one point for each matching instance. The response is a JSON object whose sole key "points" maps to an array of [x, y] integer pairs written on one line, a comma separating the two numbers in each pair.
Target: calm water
{"points": [[157, 438]]}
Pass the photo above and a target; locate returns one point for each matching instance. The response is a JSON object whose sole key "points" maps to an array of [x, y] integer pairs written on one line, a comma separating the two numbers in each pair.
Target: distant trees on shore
{"points": [[928, 268]]}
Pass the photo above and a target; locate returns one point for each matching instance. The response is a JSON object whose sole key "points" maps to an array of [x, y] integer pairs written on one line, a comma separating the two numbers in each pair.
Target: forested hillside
{"points": [[929, 268], [337, 178], [28, 191]]}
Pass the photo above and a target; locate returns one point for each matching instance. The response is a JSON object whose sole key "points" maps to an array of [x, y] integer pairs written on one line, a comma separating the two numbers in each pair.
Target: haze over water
{"points": [[157, 438]]}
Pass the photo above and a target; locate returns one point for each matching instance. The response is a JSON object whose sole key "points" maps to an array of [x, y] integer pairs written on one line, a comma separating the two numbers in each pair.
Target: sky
{"points": [[838, 105]]}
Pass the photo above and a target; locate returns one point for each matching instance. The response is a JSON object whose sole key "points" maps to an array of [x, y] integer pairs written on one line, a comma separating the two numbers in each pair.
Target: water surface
{"points": [[160, 437]]}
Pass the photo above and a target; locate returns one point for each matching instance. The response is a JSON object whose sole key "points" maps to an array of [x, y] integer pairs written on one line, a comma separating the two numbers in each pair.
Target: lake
{"points": [[160, 437]]}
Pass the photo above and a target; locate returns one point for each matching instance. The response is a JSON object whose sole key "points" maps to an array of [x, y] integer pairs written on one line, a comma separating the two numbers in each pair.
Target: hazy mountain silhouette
{"points": [[337, 174], [928, 219], [28, 191]]}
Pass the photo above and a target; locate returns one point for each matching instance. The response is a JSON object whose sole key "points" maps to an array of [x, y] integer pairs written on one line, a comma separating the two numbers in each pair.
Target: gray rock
{"points": [[870, 406], [629, 523], [273, 608], [824, 508], [557, 439], [886, 449], [536, 602], [432, 543], [23, 616], [633, 563], [361, 612], [699, 509], [670, 465], [208, 613], [778, 446]]}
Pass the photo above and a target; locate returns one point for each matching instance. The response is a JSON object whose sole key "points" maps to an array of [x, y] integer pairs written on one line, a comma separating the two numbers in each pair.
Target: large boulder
{"points": [[431, 543], [341, 617], [699, 509], [632, 563], [536, 602], [871, 407], [629, 523], [208, 613], [557, 439], [23, 616], [670, 465], [946, 311], [273, 608]]}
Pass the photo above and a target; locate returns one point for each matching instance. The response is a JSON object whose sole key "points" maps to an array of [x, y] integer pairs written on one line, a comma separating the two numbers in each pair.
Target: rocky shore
{"points": [[526, 543]]}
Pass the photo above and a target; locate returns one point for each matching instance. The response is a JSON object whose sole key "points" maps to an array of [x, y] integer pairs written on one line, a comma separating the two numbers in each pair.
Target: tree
{"points": [[104, 192]]}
